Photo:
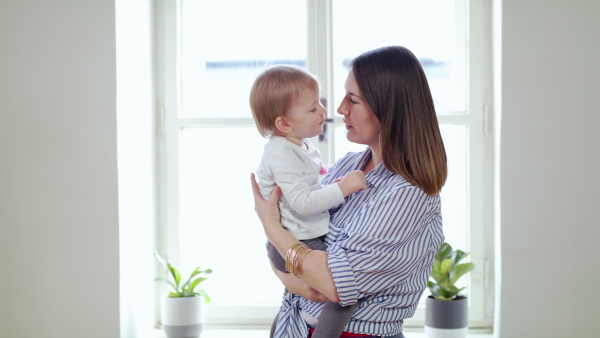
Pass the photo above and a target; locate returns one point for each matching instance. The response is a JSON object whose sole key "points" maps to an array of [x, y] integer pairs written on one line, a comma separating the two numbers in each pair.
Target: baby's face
{"points": [[307, 115]]}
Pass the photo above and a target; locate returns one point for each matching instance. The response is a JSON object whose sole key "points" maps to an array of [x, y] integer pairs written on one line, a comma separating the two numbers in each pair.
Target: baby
{"points": [[286, 108]]}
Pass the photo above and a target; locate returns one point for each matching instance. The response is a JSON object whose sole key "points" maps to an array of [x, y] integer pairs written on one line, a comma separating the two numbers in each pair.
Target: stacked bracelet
{"points": [[294, 256]]}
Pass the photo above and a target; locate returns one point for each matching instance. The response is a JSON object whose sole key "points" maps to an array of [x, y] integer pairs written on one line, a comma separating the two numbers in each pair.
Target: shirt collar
{"points": [[376, 176]]}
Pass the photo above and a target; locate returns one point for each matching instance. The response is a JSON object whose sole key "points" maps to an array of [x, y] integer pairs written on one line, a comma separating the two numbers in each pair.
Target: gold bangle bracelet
{"points": [[294, 257], [290, 256]]}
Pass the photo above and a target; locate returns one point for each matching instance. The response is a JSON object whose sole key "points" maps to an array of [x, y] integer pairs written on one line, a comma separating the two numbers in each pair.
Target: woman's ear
{"points": [[282, 125]]}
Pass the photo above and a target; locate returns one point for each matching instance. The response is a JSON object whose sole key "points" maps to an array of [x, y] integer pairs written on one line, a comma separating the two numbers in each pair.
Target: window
{"points": [[210, 53]]}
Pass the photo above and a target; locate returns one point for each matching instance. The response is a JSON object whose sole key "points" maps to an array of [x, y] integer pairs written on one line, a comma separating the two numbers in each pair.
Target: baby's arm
{"points": [[307, 203], [352, 182], [300, 187]]}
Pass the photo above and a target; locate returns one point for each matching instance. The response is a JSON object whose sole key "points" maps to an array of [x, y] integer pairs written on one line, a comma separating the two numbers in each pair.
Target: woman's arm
{"points": [[314, 268], [296, 286]]}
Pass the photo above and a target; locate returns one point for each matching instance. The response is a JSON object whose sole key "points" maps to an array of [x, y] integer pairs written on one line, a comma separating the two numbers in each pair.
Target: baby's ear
{"points": [[282, 125]]}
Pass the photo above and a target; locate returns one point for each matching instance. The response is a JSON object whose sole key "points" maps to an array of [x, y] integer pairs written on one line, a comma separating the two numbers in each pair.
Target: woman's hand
{"points": [[267, 210], [314, 295]]}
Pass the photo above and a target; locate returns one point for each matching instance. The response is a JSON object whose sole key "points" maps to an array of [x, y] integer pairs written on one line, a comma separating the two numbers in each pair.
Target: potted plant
{"points": [[446, 311], [182, 309]]}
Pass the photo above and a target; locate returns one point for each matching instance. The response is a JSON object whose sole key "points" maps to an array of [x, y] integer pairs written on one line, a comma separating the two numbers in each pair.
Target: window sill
{"points": [[222, 333]]}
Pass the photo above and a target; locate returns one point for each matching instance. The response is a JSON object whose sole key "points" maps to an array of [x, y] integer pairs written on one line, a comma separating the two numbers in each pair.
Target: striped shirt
{"points": [[382, 243]]}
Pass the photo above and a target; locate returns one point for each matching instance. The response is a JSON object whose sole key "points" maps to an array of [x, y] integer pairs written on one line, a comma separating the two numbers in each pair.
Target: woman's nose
{"points": [[341, 110]]}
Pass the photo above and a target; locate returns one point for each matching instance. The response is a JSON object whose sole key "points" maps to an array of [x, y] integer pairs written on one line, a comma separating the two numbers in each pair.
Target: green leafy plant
{"points": [[446, 271], [187, 289]]}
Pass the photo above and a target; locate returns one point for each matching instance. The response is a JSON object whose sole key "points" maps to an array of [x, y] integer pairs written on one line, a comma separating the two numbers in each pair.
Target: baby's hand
{"points": [[353, 181]]}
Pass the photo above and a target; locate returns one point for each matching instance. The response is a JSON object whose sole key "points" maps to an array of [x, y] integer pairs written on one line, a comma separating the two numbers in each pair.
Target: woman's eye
{"points": [[349, 98]]}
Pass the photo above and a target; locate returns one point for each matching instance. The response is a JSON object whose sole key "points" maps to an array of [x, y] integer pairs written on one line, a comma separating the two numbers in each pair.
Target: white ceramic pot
{"points": [[182, 317]]}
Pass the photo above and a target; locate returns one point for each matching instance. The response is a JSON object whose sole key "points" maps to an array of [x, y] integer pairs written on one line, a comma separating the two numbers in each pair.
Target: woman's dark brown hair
{"points": [[394, 86]]}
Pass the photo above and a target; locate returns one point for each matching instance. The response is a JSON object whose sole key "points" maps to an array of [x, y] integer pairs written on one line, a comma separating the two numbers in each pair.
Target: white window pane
{"points": [[218, 226], [455, 208], [455, 194], [224, 44], [427, 27]]}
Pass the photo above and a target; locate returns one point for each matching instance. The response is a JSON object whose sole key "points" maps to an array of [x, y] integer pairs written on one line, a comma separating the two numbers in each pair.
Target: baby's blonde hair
{"points": [[274, 92]]}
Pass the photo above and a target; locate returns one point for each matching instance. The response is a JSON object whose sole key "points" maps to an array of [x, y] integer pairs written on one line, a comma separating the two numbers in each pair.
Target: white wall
{"points": [[550, 168], [59, 245]]}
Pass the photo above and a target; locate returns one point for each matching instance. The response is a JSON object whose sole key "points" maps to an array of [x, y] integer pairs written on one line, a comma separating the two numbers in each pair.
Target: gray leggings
{"points": [[400, 335], [332, 321]]}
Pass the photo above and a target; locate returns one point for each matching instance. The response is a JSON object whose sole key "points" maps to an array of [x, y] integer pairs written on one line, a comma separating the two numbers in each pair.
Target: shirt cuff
{"points": [[343, 275]]}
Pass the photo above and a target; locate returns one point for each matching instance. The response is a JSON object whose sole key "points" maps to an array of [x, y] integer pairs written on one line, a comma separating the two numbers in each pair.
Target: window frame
{"points": [[477, 118]]}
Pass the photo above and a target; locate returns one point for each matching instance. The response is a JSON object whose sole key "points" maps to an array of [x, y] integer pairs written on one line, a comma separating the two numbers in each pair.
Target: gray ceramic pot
{"points": [[446, 318]]}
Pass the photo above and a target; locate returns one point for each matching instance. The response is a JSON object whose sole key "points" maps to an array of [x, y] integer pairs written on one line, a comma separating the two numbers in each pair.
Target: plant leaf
{"points": [[446, 266], [443, 252], [444, 293], [433, 288], [440, 297], [167, 281], [449, 290], [460, 270], [436, 266], [194, 273], [458, 255], [176, 277], [204, 294], [160, 259], [196, 282], [185, 292], [446, 271], [439, 277]]}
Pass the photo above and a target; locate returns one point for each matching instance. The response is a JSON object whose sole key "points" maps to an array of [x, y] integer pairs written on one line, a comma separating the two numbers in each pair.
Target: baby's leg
{"points": [[273, 327], [276, 259], [333, 320], [316, 243], [279, 262]]}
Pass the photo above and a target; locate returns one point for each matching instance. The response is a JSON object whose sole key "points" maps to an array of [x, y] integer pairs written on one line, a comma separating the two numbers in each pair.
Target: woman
{"points": [[383, 239]]}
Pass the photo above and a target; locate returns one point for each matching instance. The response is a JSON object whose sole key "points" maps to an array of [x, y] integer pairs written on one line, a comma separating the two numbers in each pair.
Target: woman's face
{"points": [[362, 125]]}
